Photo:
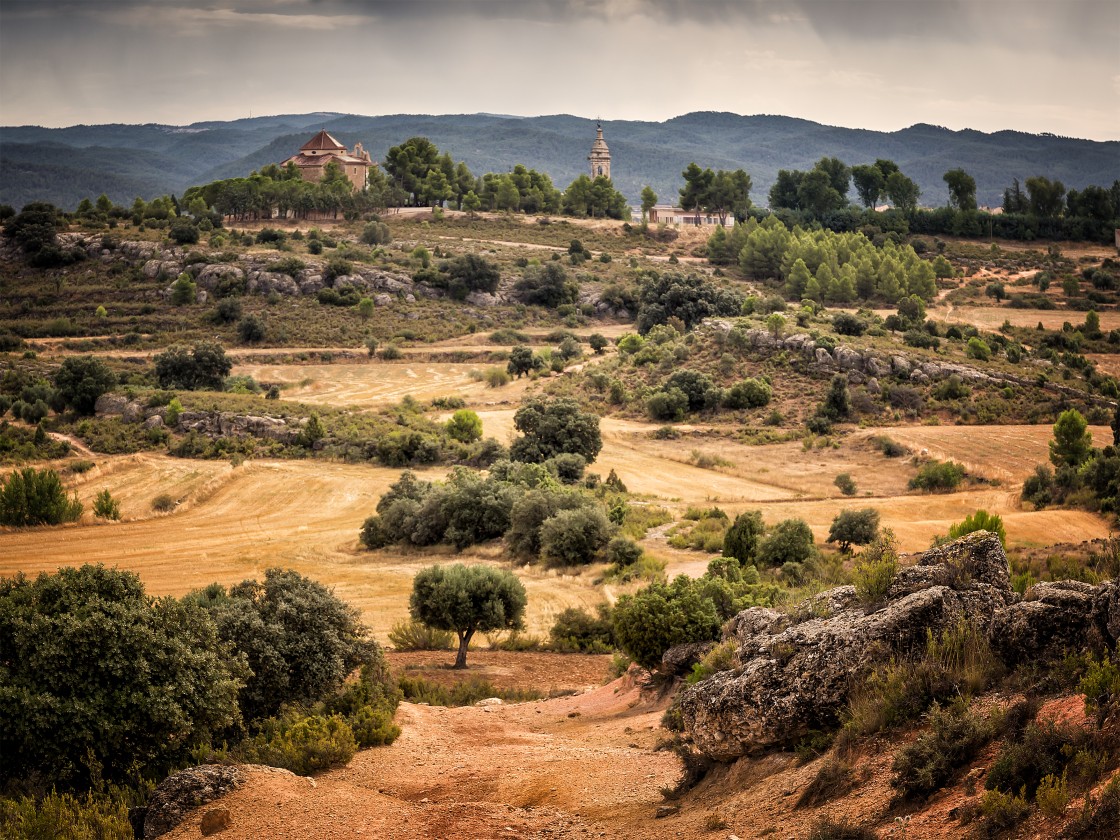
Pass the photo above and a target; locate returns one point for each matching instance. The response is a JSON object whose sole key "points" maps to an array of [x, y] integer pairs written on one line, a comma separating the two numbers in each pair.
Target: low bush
{"points": [[464, 693], [304, 744], [877, 566], [577, 631], [416, 635], [954, 736], [842, 829], [833, 780], [163, 503], [938, 477], [64, 815]]}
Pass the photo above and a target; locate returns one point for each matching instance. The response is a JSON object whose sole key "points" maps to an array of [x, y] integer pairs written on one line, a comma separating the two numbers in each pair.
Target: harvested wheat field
{"points": [[377, 384], [240, 521]]}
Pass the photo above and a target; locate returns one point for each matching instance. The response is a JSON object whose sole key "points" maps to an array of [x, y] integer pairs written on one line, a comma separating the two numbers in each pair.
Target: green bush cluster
{"points": [[938, 477], [577, 631], [36, 497]]}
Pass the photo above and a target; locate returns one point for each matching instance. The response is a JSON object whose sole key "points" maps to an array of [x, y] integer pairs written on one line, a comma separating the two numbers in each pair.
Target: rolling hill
{"points": [[64, 165]]}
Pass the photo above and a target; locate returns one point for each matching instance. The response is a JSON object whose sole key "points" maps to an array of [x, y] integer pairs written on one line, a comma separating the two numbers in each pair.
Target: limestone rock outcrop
{"points": [[183, 792], [797, 668]]}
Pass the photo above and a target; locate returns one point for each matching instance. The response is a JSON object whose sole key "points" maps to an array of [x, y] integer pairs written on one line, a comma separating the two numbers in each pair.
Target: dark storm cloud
{"points": [[990, 64]]}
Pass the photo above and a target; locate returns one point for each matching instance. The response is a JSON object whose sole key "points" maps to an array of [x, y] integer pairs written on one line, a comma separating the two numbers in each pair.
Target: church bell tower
{"points": [[600, 157]]}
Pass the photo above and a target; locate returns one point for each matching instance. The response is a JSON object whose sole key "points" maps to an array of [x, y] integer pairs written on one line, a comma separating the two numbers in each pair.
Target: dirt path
{"points": [[573, 767]]}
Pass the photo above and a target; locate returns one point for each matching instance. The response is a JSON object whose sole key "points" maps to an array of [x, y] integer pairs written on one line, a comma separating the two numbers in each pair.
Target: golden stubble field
{"points": [[231, 523]]}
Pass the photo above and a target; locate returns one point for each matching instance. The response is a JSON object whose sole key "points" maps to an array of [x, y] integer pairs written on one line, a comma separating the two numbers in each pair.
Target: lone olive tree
{"points": [[465, 599]]}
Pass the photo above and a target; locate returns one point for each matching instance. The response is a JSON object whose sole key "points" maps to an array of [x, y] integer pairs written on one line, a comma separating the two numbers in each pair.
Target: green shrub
{"points": [[654, 619], [829, 829], [464, 693], [1101, 684], [723, 657], [979, 521], [577, 631], [790, 541], [1042, 750], [1052, 796], [954, 736], [1003, 811], [749, 393], [876, 568], [299, 639], [106, 507], [303, 744], [845, 484], [163, 503], [416, 635], [62, 815], [36, 497], [574, 537], [938, 477], [91, 662]]}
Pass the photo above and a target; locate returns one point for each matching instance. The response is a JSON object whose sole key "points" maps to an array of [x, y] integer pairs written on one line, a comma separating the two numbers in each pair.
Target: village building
{"points": [[321, 150], [668, 214], [600, 157]]}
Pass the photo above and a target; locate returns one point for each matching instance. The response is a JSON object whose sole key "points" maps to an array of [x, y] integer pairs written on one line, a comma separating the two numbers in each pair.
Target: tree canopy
{"points": [[99, 680], [467, 599], [550, 428]]}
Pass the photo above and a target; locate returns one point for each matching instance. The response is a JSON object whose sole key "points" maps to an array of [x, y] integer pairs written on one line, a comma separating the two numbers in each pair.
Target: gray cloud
{"points": [[988, 64]]}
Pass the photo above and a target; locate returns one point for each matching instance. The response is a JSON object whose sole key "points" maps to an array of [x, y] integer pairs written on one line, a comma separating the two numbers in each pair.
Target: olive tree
{"points": [[466, 599], [854, 527]]}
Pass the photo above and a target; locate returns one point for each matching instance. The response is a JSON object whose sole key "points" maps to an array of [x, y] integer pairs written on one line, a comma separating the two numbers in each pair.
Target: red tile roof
{"points": [[321, 142]]}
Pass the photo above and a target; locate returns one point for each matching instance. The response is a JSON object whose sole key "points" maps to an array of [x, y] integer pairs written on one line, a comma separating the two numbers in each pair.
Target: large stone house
{"points": [[322, 149]]}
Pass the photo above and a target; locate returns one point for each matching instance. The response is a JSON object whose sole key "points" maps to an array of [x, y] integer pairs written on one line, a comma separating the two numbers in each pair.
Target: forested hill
{"points": [[123, 161]]}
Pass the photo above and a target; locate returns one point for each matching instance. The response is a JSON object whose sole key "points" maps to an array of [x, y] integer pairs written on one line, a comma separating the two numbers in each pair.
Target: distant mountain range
{"points": [[64, 165]]}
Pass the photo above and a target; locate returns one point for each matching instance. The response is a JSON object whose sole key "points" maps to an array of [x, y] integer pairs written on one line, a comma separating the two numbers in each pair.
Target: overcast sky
{"points": [[880, 64]]}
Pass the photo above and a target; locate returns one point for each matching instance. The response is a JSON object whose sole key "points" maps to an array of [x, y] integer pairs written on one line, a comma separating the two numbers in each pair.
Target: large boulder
{"points": [[1053, 618], [183, 792], [798, 668]]}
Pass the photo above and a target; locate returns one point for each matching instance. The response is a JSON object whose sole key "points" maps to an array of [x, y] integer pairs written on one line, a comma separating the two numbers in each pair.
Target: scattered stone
{"points": [[667, 811], [214, 821]]}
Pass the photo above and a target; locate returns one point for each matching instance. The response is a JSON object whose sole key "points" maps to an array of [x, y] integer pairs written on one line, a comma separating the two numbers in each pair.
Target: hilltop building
{"points": [[322, 149], [600, 157]]}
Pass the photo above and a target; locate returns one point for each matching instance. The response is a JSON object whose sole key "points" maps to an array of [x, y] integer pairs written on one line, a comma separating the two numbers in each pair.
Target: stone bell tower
{"points": [[600, 157]]}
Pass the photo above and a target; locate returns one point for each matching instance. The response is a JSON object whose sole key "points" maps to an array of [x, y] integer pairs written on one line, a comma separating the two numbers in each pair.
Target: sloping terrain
{"points": [[652, 153]]}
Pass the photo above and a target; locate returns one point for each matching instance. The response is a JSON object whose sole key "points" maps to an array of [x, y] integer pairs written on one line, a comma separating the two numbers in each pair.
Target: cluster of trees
{"points": [[77, 384], [826, 266], [823, 190], [721, 193], [104, 683], [542, 516], [35, 231], [1081, 474], [514, 500], [688, 391], [277, 191], [682, 301]]}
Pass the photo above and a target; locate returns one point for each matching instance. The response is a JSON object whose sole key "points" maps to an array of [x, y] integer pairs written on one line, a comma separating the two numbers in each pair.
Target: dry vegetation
{"points": [[584, 764]]}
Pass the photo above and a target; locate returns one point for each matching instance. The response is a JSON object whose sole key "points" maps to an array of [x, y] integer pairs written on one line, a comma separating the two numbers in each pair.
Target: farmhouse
{"points": [[667, 214], [321, 150]]}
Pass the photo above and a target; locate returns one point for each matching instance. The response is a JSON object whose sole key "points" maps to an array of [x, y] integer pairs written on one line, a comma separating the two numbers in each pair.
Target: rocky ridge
{"points": [[796, 670]]}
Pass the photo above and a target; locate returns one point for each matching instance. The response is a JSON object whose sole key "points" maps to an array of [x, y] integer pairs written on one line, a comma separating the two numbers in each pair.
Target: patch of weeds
{"points": [[876, 568], [833, 780], [954, 736], [828, 829], [465, 693], [723, 657], [1099, 816]]}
